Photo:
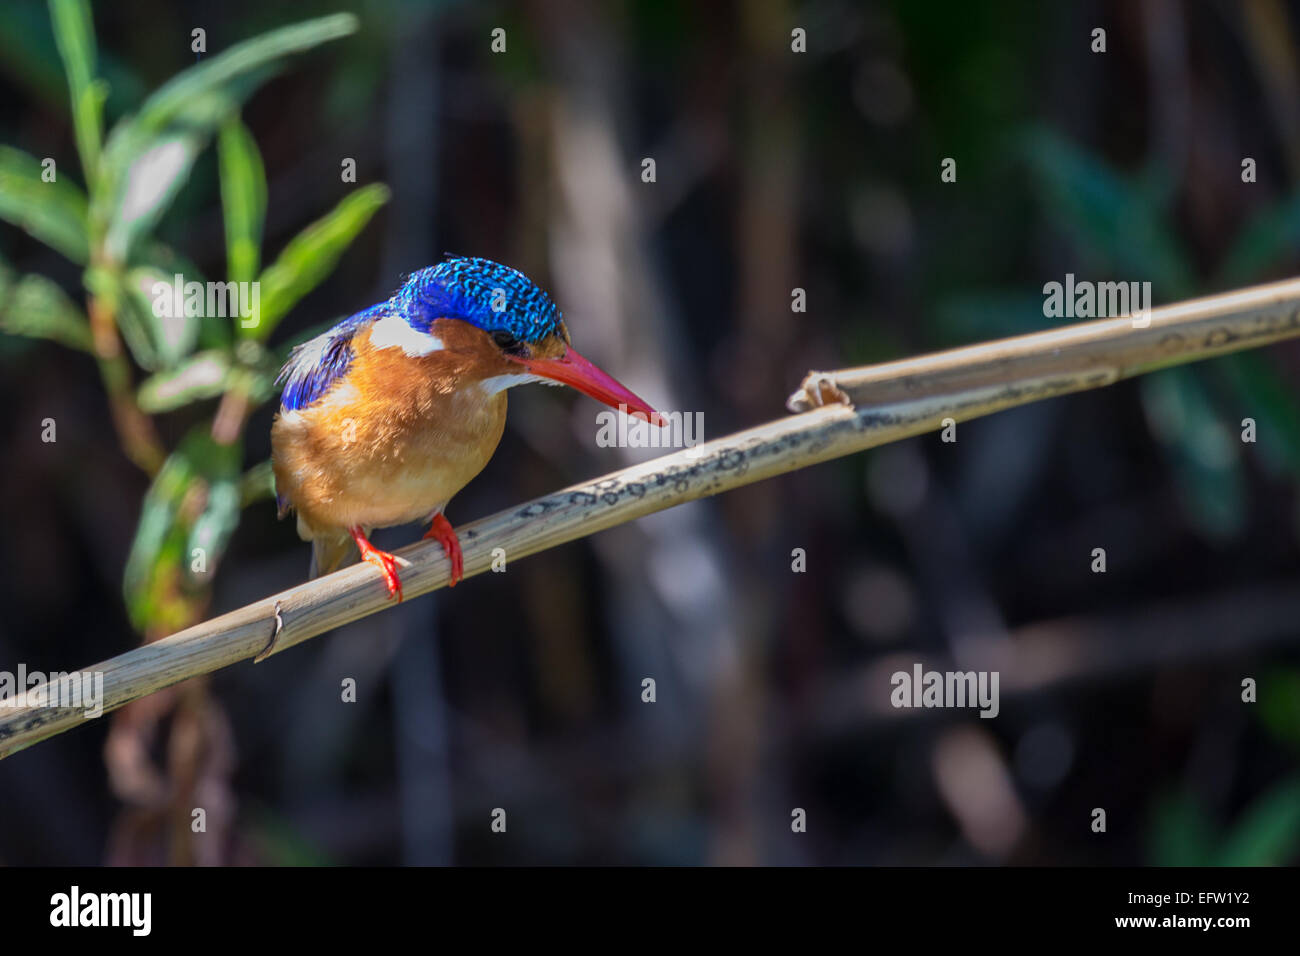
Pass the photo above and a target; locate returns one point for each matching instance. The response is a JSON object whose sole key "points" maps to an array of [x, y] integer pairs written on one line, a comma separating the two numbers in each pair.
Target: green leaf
{"points": [[149, 548], [147, 187], [1203, 453], [1121, 224], [35, 307], [243, 199], [218, 465], [166, 259], [53, 212], [1272, 236], [163, 259], [1181, 833], [148, 156], [135, 153], [257, 484], [1268, 832], [275, 841], [312, 255], [108, 286], [994, 314], [190, 501], [137, 327], [148, 311], [1265, 395], [258, 384], [200, 120], [1279, 707], [177, 95], [214, 526], [75, 35], [199, 377], [159, 331]]}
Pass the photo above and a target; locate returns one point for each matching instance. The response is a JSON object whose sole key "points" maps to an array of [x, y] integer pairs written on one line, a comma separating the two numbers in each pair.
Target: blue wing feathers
{"points": [[315, 365]]}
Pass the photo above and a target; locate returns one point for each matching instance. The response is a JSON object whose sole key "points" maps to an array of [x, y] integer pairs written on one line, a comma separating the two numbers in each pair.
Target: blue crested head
{"points": [[487, 294], [484, 293]]}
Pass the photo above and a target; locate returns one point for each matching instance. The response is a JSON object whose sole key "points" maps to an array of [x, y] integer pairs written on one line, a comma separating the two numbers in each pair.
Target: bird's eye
{"points": [[505, 340]]}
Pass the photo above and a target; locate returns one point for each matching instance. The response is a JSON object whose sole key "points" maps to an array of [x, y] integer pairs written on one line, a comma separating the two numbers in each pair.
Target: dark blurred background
{"points": [[775, 170]]}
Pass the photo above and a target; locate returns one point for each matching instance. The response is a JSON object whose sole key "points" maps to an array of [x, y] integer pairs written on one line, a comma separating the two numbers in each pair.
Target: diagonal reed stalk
{"points": [[839, 413]]}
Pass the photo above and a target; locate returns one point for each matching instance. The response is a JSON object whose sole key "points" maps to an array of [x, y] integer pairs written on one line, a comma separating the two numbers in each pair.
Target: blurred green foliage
{"points": [[1267, 833], [1124, 224]]}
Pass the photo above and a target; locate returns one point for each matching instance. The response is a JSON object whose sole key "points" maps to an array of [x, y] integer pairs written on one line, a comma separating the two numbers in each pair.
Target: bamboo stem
{"points": [[848, 411], [1103, 351]]}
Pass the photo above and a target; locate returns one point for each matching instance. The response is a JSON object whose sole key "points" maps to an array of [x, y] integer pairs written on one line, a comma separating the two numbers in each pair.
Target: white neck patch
{"points": [[394, 332], [499, 383]]}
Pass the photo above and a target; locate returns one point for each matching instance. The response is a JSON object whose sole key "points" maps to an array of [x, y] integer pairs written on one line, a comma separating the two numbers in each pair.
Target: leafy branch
{"points": [[132, 176], [209, 370]]}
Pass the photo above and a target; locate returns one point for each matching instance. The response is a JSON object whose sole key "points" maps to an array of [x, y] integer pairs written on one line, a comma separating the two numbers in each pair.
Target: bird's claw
{"points": [[385, 562], [442, 531]]}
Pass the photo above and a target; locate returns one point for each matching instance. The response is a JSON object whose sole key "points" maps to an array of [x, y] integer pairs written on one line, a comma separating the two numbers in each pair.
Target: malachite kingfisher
{"points": [[392, 411]]}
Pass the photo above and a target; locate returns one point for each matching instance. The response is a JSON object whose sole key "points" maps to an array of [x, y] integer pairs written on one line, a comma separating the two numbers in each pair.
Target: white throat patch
{"points": [[499, 383]]}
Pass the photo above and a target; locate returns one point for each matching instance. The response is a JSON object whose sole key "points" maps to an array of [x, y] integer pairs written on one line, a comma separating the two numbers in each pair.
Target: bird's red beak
{"points": [[575, 371]]}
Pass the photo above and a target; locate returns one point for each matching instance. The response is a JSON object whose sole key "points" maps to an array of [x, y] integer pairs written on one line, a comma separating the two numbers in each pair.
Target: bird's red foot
{"points": [[441, 530], [387, 563]]}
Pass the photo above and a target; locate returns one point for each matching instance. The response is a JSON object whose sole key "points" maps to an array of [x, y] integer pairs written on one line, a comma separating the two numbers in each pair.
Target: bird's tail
{"points": [[332, 552]]}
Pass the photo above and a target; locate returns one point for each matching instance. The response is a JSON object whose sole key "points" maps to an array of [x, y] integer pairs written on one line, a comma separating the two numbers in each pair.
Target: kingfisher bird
{"points": [[392, 411]]}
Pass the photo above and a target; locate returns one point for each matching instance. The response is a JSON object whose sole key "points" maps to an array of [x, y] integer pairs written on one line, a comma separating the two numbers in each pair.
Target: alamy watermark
{"points": [[208, 300], [1097, 300], [76, 690], [620, 430], [952, 689], [133, 911]]}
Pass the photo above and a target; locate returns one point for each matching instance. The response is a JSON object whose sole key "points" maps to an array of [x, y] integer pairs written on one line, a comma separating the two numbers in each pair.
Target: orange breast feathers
{"points": [[414, 418]]}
